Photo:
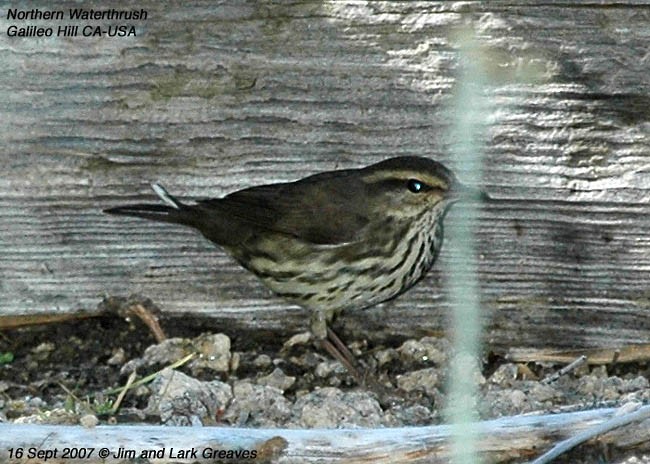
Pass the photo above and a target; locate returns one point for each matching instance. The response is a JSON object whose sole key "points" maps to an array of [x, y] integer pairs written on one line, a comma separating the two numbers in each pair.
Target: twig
{"points": [[600, 429], [566, 369], [149, 319], [150, 377], [120, 397]]}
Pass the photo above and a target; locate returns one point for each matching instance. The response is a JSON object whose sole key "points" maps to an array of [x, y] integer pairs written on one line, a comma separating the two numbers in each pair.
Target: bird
{"points": [[335, 241]]}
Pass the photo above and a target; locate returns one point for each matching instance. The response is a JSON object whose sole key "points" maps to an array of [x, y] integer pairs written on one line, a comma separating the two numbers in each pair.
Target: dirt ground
{"points": [[68, 373]]}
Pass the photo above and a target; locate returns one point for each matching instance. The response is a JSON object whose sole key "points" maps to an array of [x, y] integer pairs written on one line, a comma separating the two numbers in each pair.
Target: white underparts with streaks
{"points": [[353, 284]]}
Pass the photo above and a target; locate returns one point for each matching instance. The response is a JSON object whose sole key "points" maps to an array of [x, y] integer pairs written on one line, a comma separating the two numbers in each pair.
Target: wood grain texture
{"points": [[213, 97], [502, 440]]}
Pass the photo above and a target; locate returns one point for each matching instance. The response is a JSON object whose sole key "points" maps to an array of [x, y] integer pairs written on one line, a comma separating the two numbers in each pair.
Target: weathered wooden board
{"points": [[212, 97], [508, 439]]}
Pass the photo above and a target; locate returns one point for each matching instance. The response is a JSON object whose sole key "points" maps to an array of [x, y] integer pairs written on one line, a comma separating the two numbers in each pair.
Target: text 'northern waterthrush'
{"points": [[334, 241]]}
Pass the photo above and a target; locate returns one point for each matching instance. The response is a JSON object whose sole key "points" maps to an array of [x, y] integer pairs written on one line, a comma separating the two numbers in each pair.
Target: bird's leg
{"points": [[340, 346], [327, 339]]}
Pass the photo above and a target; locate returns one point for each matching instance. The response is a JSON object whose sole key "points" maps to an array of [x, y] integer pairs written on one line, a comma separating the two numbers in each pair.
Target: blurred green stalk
{"points": [[469, 114]]}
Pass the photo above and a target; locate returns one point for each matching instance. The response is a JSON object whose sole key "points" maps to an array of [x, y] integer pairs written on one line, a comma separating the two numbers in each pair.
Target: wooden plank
{"points": [[210, 98], [499, 440]]}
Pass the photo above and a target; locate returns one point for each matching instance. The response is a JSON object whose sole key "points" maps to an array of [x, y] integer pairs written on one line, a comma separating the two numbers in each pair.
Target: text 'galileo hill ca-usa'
{"points": [[73, 22]]}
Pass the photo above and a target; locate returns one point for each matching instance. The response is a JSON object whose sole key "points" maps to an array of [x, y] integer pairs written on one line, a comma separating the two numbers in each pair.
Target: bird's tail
{"points": [[174, 212]]}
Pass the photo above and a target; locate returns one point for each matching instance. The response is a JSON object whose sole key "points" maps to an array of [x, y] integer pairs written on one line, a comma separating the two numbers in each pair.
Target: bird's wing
{"points": [[324, 210]]}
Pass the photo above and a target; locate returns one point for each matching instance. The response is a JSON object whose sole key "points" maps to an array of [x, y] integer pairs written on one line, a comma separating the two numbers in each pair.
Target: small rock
{"points": [[26, 406], [45, 347], [163, 353], [330, 407], [505, 375], [644, 459], [308, 360], [57, 416], [517, 399], [542, 392], [214, 350], [426, 380], [411, 415], [637, 383], [183, 400], [257, 406], [298, 339], [327, 368], [215, 353], [89, 421], [118, 357], [142, 390], [428, 350], [385, 356], [277, 379], [43, 351], [262, 361], [505, 402], [357, 347], [587, 386], [36, 402]]}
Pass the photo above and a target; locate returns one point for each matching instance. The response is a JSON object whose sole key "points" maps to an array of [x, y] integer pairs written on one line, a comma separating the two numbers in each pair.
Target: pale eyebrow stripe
{"points": [[406, 175]]}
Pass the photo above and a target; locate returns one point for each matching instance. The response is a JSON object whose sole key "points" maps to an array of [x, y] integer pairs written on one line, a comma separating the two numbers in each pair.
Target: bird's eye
{"points": [[415, 185]]}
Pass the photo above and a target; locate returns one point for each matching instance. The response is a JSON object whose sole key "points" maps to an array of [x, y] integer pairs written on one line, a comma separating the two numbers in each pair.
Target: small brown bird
{"points": [[334, 241]]}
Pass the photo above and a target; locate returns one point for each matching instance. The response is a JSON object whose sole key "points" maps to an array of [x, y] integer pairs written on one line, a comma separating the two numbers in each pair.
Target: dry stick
{"points": [[149, 319], [150, 377], [120, 397], [629, 353], [69, 392], [138, 310], [25, 320], [566, 369], [600, 429]]}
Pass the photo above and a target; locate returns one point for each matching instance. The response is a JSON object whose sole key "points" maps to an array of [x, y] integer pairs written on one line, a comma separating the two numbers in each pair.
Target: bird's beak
{"points": [[461, 192]]}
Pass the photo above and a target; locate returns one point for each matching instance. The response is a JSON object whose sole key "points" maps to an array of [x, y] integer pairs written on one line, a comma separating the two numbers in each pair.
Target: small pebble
{"points": [[89, 421]]}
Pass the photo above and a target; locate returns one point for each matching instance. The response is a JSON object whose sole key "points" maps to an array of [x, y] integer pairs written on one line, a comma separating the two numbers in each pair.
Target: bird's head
{"points": [[409, 186]]}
